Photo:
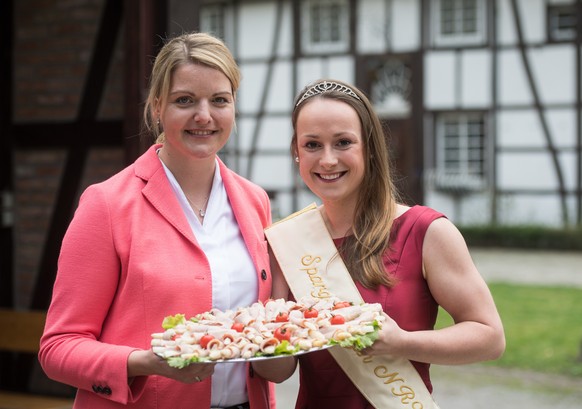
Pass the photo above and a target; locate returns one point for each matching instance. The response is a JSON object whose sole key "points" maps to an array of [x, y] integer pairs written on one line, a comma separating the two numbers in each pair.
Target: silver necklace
{"points": [[201, 210]]}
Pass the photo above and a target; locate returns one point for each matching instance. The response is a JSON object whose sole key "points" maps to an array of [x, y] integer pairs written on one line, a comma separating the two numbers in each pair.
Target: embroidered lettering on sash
{"points": [[319, 288]]}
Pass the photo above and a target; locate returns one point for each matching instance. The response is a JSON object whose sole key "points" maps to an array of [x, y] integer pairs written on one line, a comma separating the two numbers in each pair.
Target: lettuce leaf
{"points": [[173, 320], [359, 342], [178, 362], [285, 348]]}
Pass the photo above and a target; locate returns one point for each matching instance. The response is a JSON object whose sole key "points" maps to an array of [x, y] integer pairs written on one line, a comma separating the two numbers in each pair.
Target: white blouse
{"points": [[234, 279]]}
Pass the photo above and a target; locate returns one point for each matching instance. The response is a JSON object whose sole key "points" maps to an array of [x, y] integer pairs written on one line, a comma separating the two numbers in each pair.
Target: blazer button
{"points": [[95, 388], [107, 390], [263, 275]]}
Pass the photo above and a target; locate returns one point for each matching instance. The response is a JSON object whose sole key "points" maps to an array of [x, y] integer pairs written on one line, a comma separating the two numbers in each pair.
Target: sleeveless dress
{"points": [[323, 383]]}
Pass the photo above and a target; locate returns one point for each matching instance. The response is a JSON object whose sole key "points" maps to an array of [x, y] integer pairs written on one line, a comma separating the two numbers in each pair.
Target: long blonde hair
{"points": [[189, 48], [363, 251]]}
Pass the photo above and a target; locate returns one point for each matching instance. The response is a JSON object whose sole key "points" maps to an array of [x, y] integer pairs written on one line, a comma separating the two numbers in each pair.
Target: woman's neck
{"points": [[194, 176], [338, 219]]}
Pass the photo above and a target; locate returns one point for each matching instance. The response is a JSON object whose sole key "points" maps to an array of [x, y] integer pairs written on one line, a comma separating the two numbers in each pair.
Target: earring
{"points": [[297, 159], [158, 123]]}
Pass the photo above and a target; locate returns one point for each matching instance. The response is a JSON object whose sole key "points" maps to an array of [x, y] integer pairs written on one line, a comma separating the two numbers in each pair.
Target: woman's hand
{"points": [[390, 339], [145, 363], [276, 370]]}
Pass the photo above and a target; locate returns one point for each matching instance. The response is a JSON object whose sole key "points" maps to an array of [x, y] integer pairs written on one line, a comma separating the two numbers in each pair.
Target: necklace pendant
{"points": [[201, 212]]}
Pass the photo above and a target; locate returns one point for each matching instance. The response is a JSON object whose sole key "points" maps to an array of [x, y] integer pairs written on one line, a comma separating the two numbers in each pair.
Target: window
{"points": [[325, 26], [562, 23], [461, 160], [459, 22], [212, 20]]}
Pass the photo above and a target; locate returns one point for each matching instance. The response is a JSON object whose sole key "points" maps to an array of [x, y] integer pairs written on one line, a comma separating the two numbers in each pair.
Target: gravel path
{"points": [[485, 387]]}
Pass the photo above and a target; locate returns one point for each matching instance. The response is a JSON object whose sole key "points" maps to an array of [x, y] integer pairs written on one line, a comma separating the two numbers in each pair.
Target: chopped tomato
{"points": [[205, 340], [337, 320], [282, 334], [282, 317], [238, 326], [310, 313]]}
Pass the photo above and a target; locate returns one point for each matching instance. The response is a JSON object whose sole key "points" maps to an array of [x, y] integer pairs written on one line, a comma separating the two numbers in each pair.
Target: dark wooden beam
{"points": [[145, 26], [95, 82], [6, 169], [68, 135]]}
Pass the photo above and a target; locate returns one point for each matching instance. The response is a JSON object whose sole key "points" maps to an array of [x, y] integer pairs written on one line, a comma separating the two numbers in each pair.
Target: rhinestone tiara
{"points": [[326, 86]]}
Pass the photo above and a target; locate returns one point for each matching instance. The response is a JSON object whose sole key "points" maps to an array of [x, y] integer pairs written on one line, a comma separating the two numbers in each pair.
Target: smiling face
{"points": [[330, 150], [199, 112]]}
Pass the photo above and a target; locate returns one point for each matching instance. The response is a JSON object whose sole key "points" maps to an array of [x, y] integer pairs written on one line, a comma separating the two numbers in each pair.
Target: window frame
{"points": [[556, 34], [325, 47], [226, 17], [464, 178], [479, 37]]}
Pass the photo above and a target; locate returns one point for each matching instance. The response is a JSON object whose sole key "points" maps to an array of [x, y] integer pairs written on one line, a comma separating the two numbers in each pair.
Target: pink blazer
{"points": [[129, 259]]}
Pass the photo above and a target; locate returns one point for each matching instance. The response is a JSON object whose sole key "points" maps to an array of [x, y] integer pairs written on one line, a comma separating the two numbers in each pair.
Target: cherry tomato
{"points": [[337, 320], [205, 340], [282, 334], [282, 317], [310, 313], [238, 326], [341, 304]]}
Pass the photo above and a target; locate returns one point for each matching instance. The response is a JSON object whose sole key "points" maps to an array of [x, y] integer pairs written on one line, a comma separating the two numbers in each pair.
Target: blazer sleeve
{"points": [[85, 287]]}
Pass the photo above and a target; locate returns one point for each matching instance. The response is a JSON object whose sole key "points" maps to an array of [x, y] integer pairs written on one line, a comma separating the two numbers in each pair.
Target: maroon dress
{"points": [[323, 383]]}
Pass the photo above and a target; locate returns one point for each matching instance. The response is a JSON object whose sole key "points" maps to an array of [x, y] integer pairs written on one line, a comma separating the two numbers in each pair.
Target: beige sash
{"points": [[312, 266]]}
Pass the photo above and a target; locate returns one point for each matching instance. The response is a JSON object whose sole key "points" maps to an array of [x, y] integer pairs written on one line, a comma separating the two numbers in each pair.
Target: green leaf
{"points": [[285, 348], [359, 342], [173, 320]]}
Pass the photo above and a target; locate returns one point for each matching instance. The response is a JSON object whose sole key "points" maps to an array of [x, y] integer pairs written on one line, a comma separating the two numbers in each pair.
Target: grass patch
{"points": [[543, 327]]}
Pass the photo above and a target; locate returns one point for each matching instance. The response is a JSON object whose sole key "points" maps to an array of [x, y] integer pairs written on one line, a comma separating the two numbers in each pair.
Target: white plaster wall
{"points": [[273, 171], [405, 25], [279, 89], [249, 94], [439, 80], [476, 79], [280, 92], [562, 124], [388, 25], [275, 133], [533, 21], [554, 68], [311, 69], [257, 28], [533, 170], [519, 129], [512, 86], [372, 26], [282, 206], [472, 209], [458, 79]]}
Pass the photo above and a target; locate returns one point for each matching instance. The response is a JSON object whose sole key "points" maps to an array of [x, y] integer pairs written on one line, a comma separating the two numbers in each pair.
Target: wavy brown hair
{"points": [[363, 251]]}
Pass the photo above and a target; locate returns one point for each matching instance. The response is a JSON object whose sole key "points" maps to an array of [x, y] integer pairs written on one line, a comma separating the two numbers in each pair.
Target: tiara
{"points": [[326, 87]]}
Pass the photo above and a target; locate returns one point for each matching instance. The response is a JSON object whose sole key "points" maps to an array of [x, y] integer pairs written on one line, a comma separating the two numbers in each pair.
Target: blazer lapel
{"points": [[159, 193], [248, 224]]}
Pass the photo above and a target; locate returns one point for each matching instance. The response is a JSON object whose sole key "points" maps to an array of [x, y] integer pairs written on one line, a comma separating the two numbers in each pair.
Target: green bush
{"points": [[525, 237]]}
